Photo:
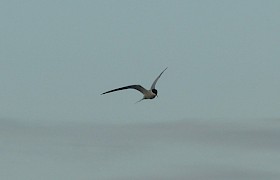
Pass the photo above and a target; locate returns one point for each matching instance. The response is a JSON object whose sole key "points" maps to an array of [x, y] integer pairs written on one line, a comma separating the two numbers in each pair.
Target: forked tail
{"points": [[139, 100]]}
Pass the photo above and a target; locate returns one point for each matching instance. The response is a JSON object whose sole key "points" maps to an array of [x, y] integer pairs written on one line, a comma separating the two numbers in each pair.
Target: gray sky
{"points": [[57, 57]]}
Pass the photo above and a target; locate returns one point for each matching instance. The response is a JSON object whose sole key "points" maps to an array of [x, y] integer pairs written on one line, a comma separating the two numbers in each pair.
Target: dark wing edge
{"points": [[137, 87], [154, 83]]}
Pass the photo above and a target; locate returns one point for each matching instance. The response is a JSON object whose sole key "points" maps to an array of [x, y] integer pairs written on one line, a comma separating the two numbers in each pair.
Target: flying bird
{"points": [[147, 94]]}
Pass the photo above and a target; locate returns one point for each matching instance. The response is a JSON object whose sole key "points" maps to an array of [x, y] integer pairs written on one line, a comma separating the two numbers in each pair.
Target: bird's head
{"points": [[154, 91]]}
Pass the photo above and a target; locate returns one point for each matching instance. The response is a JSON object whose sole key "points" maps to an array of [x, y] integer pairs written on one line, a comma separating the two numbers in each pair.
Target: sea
{"points": [[188, 149]]}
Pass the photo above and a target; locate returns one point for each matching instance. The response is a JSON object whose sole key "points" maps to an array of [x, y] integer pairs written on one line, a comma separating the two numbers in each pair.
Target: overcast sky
{"points": [[56, 57]]}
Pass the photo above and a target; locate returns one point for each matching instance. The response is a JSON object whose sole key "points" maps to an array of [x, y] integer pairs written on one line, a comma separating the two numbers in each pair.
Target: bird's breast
{"points": [[149, 95]]}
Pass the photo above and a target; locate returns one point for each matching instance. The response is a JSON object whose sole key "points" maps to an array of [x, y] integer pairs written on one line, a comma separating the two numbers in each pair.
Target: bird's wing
{"points": [[154, 83], [137, 87]]}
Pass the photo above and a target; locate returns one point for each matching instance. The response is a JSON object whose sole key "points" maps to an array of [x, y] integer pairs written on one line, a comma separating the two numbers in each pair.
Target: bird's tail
{"points": [[139, 100]]}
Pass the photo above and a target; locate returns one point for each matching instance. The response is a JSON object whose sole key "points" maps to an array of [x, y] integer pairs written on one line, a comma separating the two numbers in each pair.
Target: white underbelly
{"points": [[149, 95]]}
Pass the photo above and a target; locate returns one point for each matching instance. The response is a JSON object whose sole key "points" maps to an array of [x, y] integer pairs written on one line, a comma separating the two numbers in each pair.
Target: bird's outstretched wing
{"points": [[154, 83], [137, 87]]}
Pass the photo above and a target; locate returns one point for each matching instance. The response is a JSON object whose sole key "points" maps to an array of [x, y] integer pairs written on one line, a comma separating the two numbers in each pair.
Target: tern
{"points": [[148, 94]]}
